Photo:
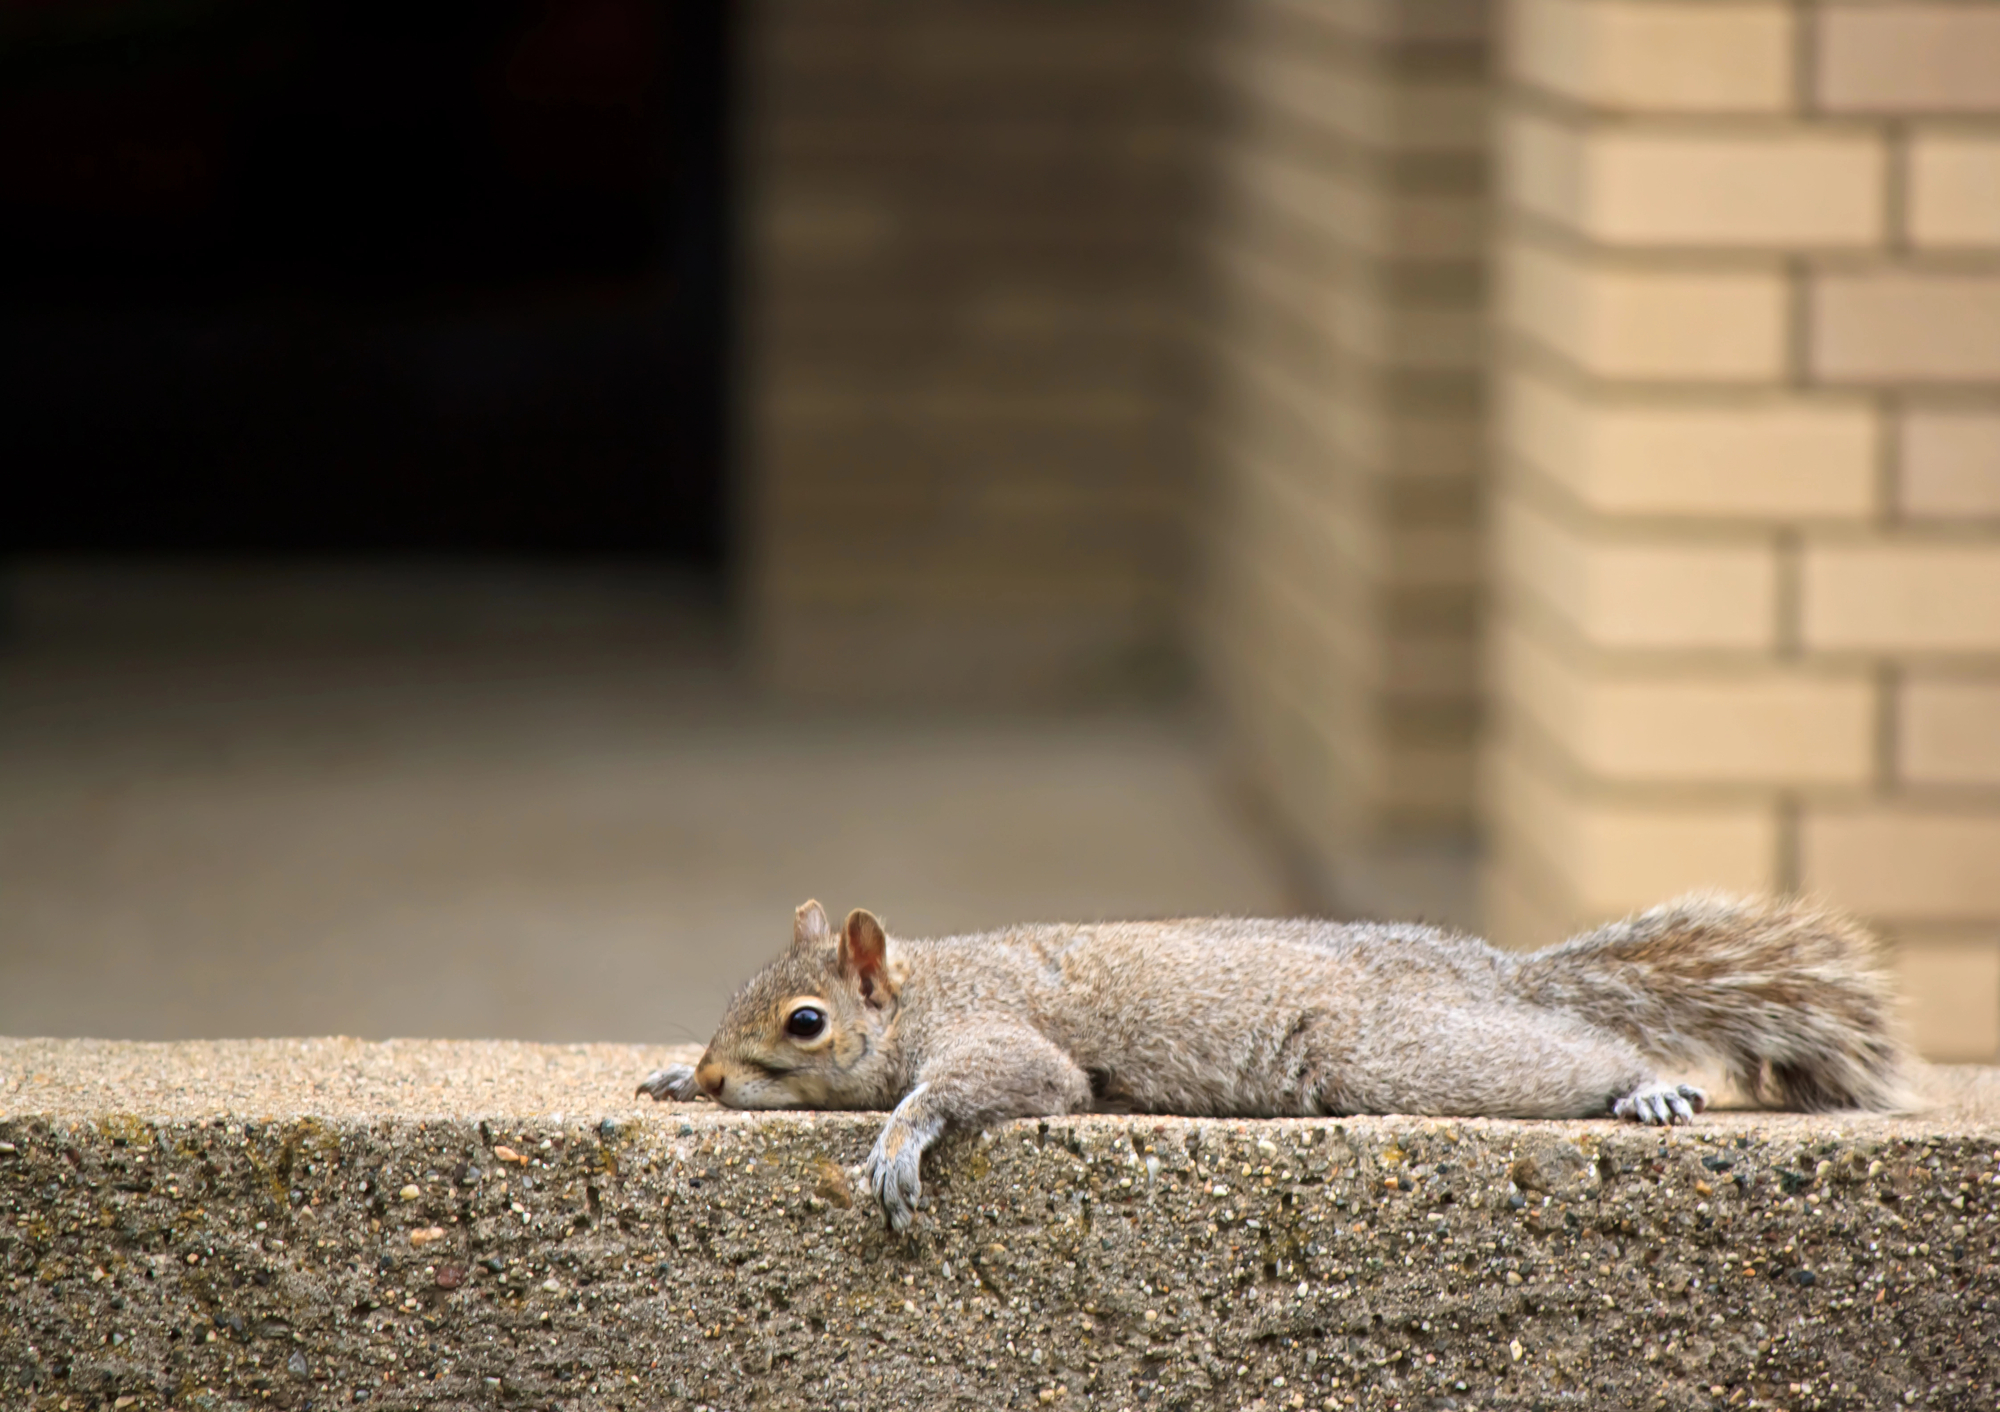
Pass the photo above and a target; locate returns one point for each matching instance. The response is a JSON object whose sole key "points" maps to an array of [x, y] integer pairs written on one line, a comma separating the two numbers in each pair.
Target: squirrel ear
{"points": [[864, 954], [810, 926]]}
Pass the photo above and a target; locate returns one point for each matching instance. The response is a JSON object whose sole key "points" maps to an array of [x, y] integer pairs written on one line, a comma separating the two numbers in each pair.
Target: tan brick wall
{"points": [[967, 273], [1339, 619], [1746, 535]]}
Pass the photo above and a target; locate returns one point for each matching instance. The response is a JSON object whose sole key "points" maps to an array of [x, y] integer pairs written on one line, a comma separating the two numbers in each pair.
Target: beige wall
{"points": [[1746, 532], [1705, 522], [1340, 615], [966, 362]]}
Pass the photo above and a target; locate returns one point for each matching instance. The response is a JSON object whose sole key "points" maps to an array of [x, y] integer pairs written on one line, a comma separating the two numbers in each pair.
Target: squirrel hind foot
{"points": [[673, 1084], [1657, 1105]]}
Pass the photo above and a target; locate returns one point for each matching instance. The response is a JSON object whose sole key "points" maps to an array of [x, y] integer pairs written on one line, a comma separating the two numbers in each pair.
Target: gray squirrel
{"points": [[1223, 1017]]}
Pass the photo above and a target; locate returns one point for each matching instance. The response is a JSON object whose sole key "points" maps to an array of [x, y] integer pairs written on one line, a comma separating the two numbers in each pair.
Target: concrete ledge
{"points": [[327, 1223]]}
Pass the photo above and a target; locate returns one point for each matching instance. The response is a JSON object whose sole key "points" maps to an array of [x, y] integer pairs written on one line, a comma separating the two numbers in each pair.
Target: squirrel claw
{"points": [[674, 1083], [1658, 1105], [892, 1170], [894, 1180]]}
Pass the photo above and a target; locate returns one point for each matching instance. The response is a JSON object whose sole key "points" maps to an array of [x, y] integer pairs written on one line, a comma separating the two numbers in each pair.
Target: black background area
{"points": [[301, 276]]}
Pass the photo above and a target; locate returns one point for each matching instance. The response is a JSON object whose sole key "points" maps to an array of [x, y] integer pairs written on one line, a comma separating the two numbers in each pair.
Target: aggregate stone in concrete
{"points": [[173, 1233]]}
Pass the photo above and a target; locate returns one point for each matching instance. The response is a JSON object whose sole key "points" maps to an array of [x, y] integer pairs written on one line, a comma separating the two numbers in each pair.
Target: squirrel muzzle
{"points": [[709, 1078]]}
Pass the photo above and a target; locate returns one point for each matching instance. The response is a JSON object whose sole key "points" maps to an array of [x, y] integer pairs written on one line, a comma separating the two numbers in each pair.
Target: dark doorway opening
{"points": [[346, 277]]}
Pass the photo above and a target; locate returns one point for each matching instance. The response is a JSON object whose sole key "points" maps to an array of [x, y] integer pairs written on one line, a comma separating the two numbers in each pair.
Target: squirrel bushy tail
{"points": [[1785, 994]]}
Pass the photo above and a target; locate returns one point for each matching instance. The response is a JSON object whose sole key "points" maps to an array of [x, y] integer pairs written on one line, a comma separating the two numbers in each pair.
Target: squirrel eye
{"points": [[806, 1022]]}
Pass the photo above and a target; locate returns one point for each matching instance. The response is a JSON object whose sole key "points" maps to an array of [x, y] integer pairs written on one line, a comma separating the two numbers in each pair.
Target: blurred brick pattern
{"points": [[968, 275], [1339, 622], [1746, 535]]}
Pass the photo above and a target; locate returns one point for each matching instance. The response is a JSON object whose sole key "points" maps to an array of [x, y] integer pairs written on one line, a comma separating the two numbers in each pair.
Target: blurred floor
{"points": [[253, 803]]}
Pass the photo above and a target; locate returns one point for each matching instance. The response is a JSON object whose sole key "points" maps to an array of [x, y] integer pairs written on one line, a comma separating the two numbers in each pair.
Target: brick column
{"points": [[1747, 531], [965, 329], [1339, 625]]}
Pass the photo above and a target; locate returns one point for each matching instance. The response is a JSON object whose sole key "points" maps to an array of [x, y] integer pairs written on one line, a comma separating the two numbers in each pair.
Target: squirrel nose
{"points": [[708, 1078]]}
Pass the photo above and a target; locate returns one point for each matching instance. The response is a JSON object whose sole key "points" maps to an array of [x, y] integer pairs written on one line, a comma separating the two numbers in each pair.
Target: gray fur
{"points": [[1236, 1018]]}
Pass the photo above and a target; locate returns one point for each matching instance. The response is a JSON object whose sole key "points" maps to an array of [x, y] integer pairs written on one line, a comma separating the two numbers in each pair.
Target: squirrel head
{"points": [[813, 1028]]}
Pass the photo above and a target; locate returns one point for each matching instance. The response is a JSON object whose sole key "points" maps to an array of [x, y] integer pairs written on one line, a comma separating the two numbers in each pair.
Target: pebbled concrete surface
{"points": [[320, 1224]]}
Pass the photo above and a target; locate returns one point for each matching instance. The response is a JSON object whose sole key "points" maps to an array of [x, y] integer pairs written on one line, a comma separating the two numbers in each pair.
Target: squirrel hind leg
{"points": [[1658, 1105]]}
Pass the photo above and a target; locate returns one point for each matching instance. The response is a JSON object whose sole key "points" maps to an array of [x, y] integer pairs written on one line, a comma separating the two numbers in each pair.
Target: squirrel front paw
{"points": [[891, 1173], [1658, 1104], [675, 1082], [891, 1169]]}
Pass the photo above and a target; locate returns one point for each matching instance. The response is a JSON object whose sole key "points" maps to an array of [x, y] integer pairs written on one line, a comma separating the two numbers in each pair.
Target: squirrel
{"points": [[1297, 1018]]}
